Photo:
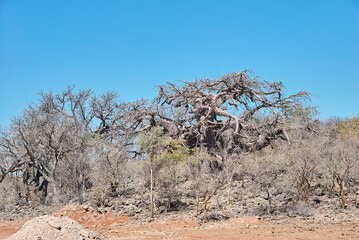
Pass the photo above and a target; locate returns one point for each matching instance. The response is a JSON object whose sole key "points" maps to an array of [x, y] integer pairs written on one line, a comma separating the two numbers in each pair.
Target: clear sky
{"points": [[132, 46]]}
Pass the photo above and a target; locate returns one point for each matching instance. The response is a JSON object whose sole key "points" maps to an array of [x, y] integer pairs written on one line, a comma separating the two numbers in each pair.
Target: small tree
{"points": [[205, 177], [343, 158], [265, 168], [304, 161], [151, 142], [170, 164]]}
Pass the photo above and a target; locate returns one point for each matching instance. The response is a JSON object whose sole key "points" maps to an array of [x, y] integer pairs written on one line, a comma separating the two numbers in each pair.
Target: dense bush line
{"points": [[231, 144]]}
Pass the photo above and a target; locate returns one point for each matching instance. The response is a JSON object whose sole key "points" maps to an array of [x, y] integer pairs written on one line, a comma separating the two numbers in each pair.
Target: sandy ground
{"points": [[121, 227]]}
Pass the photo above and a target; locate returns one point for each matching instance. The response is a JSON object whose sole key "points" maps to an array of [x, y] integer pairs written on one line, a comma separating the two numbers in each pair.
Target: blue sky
{"points": [[132, 46]]}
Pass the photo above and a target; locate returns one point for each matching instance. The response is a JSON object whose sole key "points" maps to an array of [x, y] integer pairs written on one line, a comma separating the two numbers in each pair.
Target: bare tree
{"points": [[265, 170], [304, 162], [10, 157], [89, 113], [342, 159], [44, 141], [232, 110], [51, 145], [205, 177]]}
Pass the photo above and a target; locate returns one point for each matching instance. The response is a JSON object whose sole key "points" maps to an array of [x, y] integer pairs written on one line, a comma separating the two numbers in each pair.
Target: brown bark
{"points": [[205, 210], [305, 189], [342, 194], [197, 202], [340, 181]]}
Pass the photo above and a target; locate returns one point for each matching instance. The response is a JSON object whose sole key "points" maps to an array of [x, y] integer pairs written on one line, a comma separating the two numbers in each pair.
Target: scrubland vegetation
{"points": [[231, 145]]}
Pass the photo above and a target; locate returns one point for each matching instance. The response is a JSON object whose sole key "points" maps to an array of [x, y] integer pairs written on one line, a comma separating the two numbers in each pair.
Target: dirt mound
{"points": [[50, 227], [95, 219]]}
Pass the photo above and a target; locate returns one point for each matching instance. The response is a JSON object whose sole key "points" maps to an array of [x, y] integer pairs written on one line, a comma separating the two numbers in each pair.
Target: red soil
{"points": [[121, 227]]}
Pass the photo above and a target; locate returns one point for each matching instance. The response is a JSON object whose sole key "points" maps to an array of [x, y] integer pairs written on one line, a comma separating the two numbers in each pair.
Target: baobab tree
{"points": [[229, 111]]}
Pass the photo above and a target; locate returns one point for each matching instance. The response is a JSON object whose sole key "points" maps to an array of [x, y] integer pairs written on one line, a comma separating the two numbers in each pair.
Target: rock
{"points": [[142, 205], [303, 210], [54, 225], [130, 201], [277, 191], [319, 192]]}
